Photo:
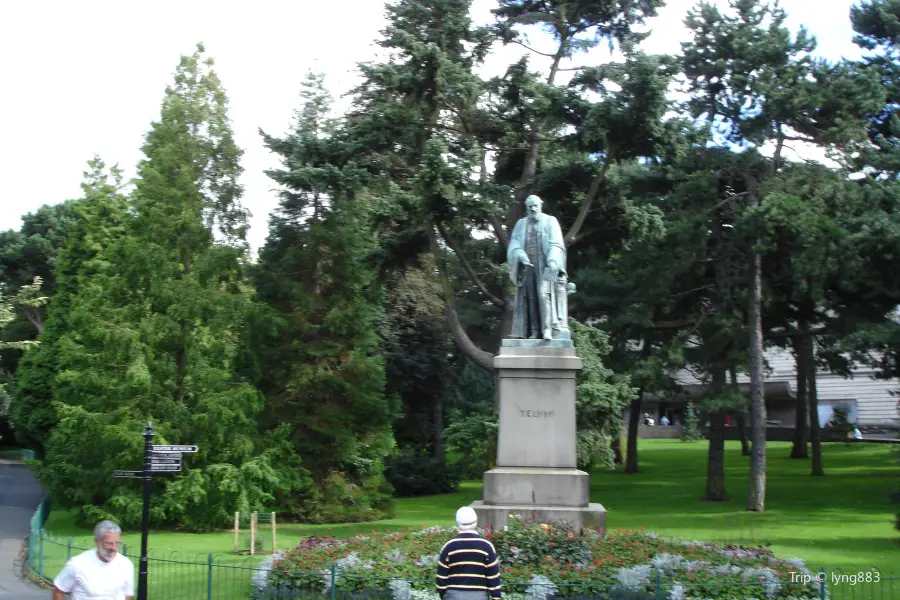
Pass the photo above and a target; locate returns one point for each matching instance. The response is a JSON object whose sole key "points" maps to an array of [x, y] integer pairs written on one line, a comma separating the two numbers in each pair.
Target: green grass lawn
{"points": [[840, 521]]}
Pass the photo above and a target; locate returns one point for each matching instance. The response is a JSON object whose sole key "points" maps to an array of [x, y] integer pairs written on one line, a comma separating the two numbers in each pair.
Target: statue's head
{"points": [[533, 206]]}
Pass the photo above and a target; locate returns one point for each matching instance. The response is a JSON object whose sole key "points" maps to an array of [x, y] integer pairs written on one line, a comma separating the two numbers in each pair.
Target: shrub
{"points": [[340, 499], [472, 441], [691, 430], [840, 424], [419, 475]]}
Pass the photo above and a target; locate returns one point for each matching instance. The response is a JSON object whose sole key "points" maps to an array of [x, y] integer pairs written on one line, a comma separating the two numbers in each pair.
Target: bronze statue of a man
{"points": [[537, 266]]}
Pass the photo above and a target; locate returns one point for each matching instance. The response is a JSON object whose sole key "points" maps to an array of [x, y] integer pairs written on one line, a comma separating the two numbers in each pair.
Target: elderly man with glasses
{"points": [[100, 573]]}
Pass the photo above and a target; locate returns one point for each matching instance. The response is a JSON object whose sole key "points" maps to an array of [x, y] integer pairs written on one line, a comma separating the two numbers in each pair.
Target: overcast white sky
{"points": [[87, 76]]}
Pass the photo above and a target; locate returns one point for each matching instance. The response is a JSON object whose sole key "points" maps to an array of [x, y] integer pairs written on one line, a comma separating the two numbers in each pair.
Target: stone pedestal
{"points": [[536, 474]]}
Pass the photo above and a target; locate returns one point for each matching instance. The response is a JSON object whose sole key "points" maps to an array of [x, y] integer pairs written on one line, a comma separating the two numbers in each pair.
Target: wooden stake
{"points": [[237, 528], [274, 547], [253, 533]]}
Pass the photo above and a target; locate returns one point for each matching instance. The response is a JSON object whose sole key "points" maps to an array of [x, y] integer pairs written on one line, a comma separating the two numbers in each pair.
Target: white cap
{"points": [[466, 518]]}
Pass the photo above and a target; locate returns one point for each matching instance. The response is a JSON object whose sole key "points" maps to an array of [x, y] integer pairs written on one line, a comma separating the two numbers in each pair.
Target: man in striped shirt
{"points": [[467, 567]]}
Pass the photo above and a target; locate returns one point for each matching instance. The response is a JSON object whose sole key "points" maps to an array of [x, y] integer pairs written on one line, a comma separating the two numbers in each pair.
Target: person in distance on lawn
{"points": [[468, 568], [100, 573]]}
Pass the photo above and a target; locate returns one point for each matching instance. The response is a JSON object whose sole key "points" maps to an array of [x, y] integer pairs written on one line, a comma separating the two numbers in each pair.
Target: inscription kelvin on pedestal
{"points": [[536, 414], [536, 472]]}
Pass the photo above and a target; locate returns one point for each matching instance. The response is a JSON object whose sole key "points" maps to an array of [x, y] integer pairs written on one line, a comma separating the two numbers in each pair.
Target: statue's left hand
{"points": [[551, 273]]}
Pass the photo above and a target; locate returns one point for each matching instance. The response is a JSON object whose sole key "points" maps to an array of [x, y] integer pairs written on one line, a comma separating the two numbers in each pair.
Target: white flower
{"points": [[400, 589], [634, 578], [799, 564], [260, 578], [695, 565], [540, 588], [395, 556], [677, 592], [428, 561], [737, 553], [668, 564], [766, 576], [726, 569]]}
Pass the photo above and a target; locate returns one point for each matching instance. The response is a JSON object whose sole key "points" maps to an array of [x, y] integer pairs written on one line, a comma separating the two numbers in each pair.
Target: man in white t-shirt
{"points": [[98, 574]]}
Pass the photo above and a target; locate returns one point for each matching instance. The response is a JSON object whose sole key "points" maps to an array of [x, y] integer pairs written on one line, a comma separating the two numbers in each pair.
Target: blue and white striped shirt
{"points": [[468, 562]]}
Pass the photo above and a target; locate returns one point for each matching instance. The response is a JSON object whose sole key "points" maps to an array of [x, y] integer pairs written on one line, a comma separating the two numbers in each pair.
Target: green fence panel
{"points": [[204, 576]]}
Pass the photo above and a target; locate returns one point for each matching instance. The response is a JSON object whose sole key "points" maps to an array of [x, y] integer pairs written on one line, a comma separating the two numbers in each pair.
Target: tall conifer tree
{"points": [[322, 371], [154, 335]]}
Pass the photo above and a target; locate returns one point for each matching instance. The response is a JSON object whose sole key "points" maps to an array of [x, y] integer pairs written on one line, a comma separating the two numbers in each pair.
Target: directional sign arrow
{"points": [[165, 468], [156, 448], [164, 461], [128, 473]]}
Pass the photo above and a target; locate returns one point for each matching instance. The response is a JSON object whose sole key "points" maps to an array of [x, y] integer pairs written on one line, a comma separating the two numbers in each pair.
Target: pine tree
{"points": [[321, 368], [97, 224], [154, 334]]}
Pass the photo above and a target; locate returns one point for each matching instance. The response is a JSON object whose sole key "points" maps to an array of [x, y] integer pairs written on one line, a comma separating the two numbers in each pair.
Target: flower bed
{"points": [[539, 561]]}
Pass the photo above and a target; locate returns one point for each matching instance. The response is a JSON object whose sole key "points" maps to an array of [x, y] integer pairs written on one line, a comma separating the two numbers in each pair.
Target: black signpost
{"points": [[157, 459]]}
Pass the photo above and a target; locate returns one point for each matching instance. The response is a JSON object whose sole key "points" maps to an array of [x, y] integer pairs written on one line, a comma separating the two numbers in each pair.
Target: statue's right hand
{"points": [[526, 262]]}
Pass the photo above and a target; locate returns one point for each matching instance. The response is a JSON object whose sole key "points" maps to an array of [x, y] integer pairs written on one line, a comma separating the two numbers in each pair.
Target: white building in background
{"points": [[870, 402]]}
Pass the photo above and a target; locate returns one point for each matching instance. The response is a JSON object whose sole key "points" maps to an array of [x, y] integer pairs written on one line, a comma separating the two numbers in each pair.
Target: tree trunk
{"points": [[437, 428], [483, 359], [742, 431], [634, 420], [741, 418], [180, 372], [181, 351], [756, 496], [616, 447], [809, 346], [800, 448], [715, 466], [36, 318]]}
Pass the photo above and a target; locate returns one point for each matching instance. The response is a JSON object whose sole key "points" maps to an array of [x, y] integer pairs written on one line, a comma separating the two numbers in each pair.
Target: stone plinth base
{"points": [[592, 516], [536, 487]]}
